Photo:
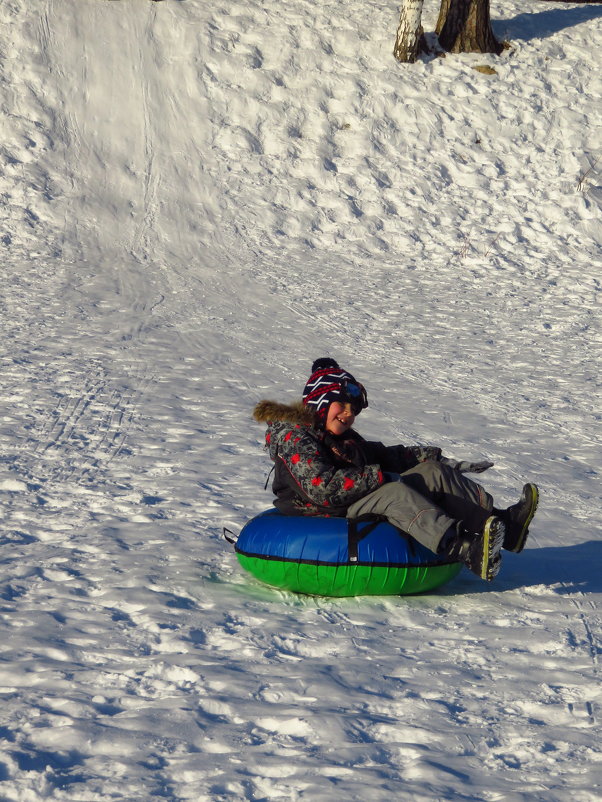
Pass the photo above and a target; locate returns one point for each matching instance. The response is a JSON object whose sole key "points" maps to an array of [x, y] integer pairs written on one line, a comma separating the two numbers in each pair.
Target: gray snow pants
{"points": [[426, 501]]}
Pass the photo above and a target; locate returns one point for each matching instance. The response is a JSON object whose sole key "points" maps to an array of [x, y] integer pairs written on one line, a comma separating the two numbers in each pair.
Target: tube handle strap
{"points": [[354, 534]]}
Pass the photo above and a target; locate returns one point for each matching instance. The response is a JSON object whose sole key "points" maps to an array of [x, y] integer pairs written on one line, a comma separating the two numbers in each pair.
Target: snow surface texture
{"points": [[198, 199]]}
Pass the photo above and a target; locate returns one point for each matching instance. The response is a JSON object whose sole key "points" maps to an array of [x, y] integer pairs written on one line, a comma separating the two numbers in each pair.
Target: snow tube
{"points": [[335, 557]]}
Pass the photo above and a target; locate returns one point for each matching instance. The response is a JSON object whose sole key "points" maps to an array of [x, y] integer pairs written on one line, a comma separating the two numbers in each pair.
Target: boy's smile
{"points": [[340, 418]]}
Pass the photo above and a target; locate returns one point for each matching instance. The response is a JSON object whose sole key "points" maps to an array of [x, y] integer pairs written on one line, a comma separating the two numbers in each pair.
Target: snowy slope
{"points": [[198, 200]]}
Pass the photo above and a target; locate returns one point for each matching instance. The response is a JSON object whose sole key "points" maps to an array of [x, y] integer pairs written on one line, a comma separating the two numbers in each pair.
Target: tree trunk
{"points": [[409, 32], [464, 26]]}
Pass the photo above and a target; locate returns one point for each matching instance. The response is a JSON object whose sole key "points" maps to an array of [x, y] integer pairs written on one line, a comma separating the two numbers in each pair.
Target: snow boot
{"points": [[518, 517], [479, 551]]}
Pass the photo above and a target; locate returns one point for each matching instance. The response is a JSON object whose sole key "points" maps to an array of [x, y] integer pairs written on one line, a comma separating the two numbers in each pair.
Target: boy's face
{"points": [[340, 418]]}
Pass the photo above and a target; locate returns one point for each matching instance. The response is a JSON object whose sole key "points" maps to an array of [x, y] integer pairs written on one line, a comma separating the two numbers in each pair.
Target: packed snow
{"points": [[198, 200]]}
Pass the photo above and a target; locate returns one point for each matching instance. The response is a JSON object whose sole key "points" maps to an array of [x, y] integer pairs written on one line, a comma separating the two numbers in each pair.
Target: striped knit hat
{"points": [[327, 383]]}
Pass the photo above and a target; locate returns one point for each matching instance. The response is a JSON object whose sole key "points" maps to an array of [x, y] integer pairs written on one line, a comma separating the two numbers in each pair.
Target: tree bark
{"points": [[464, 26], [409, 32]]}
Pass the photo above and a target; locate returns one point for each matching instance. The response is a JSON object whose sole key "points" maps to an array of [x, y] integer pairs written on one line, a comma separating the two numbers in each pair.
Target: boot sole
{"points": [[493, 540], [524, 533]]}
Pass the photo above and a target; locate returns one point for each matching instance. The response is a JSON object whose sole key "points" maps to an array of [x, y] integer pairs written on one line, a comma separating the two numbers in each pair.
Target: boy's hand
{"points": [[474, 467], [465, 466]]}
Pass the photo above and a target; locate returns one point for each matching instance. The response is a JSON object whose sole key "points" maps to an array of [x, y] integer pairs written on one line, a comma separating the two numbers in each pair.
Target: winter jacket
{"points": [[317, 473]]}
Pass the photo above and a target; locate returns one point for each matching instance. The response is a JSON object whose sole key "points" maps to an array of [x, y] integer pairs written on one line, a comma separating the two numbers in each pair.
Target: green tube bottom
{"points": [[349, 579]]}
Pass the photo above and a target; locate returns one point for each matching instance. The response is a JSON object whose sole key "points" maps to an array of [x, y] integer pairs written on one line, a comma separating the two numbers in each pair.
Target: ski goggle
{"points": [[355, 394]]}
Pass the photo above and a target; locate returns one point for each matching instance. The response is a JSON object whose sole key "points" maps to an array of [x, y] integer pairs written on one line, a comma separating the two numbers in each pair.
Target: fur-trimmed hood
{"points": [[295, 413], [282, 419]]}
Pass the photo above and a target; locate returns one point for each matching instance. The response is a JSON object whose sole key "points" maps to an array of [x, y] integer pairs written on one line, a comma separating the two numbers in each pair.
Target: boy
{"points": [[324, 467]]}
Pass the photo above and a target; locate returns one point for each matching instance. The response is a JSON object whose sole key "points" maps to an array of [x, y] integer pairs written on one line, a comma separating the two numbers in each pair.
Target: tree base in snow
{"points": [[464, 26]]}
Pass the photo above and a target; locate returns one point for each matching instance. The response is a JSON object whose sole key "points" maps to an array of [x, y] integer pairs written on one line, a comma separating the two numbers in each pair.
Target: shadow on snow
{"points": [[572, 569], [539, 25]]}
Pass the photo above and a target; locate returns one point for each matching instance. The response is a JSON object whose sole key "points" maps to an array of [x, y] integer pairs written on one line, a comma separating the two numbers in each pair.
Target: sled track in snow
{"points": [[78, 436]]}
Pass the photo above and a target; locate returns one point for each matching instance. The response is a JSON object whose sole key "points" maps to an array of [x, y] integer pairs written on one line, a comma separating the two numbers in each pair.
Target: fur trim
{"points": [[272, 412]]}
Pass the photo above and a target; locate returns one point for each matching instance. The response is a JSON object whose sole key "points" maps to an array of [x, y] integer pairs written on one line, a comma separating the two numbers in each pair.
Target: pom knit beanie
{"points": [[327, 383]]}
